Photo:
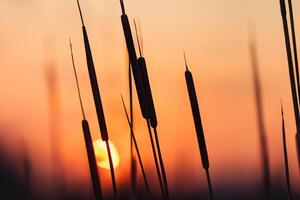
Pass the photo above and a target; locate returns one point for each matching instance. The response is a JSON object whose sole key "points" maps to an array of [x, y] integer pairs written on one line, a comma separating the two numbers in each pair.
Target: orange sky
{"points": [[214, 34]]}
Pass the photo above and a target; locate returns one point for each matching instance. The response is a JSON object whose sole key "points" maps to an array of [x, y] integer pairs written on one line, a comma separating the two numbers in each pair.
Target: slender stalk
{"points": [[156, 161], [77, 82], [286, 159], [290, 63], [261, 125], [291, 74], [112, 171], [97, 100], [161, 162], [88, 141], [137, 149], [211, 192], [133, 159], [198, 124]]}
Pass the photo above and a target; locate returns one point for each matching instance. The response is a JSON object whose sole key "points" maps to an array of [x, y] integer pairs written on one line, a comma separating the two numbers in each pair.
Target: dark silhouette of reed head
{"points": [[134, 64], [147, 88], [146, 83], [196, 115], [88, 140], [94, 81], [98, 102]]}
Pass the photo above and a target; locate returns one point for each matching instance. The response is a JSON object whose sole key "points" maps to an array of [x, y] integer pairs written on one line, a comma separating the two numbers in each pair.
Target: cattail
{"points": [[139, 85], [88, 141], [97, 100], [286, 159], [261, 126], [134, 63], [198, 125], [152, 112], [291, 74], [136, 148]]}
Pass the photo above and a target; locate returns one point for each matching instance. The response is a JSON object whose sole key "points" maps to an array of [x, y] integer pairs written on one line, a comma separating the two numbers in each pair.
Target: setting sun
{"points": [[101, 154]]}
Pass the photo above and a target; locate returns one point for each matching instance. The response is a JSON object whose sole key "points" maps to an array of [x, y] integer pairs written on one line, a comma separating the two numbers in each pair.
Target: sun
{"points": [[101, 154]]}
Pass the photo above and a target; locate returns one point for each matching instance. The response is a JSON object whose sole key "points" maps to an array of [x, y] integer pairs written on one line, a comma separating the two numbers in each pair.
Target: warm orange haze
{"points": [[215, 34]]}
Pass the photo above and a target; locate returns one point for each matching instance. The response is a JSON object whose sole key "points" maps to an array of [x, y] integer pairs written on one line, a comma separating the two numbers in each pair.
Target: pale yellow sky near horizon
{"points": [[214, 34]]}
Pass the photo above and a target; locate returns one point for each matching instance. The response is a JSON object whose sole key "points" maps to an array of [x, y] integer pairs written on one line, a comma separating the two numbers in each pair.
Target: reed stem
{"points": [[112, 171], [137, 150], [156, 161], [163, 172], [211, 193], [286, 159]]}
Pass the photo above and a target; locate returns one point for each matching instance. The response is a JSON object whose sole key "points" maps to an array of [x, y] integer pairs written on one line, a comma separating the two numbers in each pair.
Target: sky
{"points": [[215, 35]]}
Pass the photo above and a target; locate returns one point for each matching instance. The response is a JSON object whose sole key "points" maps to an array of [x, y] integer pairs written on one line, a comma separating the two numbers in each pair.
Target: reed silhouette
{"points": [[137, 74], [291, 74], [260, 120], [137, 149], [198, 125], [133, 171], [285, 154], [153, 118], [97, 99], [88, 140]]}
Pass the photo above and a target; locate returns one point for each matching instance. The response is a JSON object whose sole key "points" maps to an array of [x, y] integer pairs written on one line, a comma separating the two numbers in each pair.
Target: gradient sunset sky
{"points": [[34, 35]]}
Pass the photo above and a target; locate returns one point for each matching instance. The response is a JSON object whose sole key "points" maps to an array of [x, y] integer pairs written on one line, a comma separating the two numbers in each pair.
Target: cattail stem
{"points": [[76, 78], [156, 161], [291, 74], [163, 171], [133, 160], [211, 193], [286, 160], [112, 171], [290, 64], [137, 150]]}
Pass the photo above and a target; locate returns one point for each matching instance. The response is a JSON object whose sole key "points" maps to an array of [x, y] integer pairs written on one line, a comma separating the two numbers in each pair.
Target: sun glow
{"points": [[101, 154]]}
